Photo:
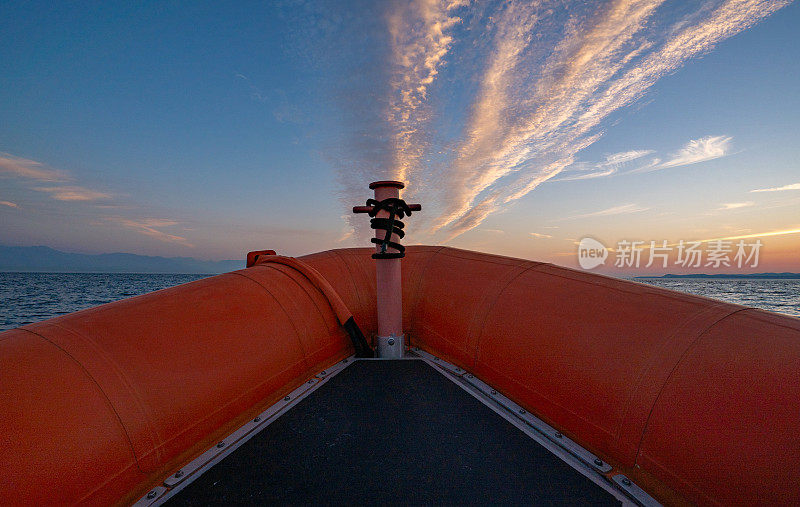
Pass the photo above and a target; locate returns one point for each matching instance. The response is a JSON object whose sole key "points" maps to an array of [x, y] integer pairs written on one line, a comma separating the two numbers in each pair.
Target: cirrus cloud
{"points": [[793, 186], [610, 166], [24, 168], [693, 152], [699, 150], [736, 205], [73, 193], [150, 227], [420, 40], [552, 79], [623, 209]]}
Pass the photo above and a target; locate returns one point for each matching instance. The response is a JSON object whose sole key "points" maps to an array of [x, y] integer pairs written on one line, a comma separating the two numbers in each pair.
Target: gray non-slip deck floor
{"points": [[395, 432]]}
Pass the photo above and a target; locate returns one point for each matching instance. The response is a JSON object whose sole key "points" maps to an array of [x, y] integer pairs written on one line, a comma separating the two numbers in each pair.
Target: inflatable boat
{"points": [[413, 375]]}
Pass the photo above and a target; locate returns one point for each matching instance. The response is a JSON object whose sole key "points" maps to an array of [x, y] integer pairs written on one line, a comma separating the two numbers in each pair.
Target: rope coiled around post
{"points": [[397, 209]]}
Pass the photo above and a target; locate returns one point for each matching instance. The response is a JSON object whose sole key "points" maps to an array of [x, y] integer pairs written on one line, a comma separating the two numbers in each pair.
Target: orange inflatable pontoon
{"points": [[647, 395]]}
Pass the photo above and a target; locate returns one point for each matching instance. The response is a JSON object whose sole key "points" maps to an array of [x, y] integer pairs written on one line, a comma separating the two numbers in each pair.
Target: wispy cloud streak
{"points": [[150, 227], [609, 167], [736, 205], [25, 169], [420, 40], [754, 235], [73, 193], [19, 167], [694, 152], [540, 104], [793, 186], [624, 209], [699, 150]]}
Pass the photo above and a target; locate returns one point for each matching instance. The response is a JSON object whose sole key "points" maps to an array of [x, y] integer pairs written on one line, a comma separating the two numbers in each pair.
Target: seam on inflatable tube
{"points": [[288, 317], [131, 391], [343, 260], [99, 388], [490, 307], [87, 496], [539, 413], [343, 254], [221, 408], [369, 276], [444, 339], [163, 443], [653, 361], [304, 289], [310, 294], [422, 277], [672, 372]]}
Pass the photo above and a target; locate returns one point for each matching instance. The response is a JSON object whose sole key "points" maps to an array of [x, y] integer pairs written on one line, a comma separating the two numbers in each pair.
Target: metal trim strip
{"points": [[439, 362], [542, 427], [195, 468], [635, 491], [551, 439], [580, 459]]}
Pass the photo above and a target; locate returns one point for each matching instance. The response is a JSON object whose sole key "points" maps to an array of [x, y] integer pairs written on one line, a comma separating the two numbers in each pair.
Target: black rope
{"points": [[397, 209]]}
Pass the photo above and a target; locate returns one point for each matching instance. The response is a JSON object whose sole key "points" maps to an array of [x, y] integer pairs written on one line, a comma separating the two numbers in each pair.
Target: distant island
{"points": [[46, 259], [749, 276]]}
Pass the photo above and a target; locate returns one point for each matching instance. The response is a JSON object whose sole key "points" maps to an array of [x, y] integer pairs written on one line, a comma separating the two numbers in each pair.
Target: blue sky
{"points": [[207, 130]]}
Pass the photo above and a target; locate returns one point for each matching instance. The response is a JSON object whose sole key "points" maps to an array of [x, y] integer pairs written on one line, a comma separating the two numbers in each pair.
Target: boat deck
{"points": [[398, 432]]}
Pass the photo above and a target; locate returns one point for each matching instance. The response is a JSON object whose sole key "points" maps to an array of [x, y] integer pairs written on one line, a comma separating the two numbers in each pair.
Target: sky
{"points": [[207, 130]]}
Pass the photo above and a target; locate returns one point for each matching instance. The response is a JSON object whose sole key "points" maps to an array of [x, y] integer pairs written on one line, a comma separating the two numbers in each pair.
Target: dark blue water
{"points": [[780, 296], [32, 297]]}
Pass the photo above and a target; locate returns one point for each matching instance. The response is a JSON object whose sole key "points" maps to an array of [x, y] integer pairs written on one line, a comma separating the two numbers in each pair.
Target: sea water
{"points": [[33, 297], [775, 295]]}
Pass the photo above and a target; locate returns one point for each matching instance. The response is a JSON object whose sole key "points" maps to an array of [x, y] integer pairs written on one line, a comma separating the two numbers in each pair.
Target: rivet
{"points": [[470, 376], [179, 474], [522, 411], [390, 341], [221, 445], [311, 381], [435, 358], [287, 398], [152, 495], [494, 392], [345, 361], [558, 435], [458, 369], [598, 462], [257, 419], [322, 372], [626, 481]]}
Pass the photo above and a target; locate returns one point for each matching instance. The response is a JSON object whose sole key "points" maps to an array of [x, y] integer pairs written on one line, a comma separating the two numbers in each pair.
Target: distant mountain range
{"points": [[749, 276], [46, 259]]}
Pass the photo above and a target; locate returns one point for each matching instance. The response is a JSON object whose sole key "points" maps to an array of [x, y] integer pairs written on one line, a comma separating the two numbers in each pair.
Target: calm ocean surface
{"points": [[780, 296], [31, 297]]}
